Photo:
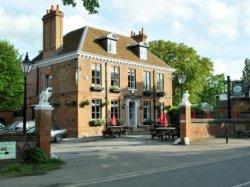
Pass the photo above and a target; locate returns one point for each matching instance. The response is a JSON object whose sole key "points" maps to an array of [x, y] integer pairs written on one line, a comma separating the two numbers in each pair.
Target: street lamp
{"points": [[181, 79], [26, 67]]}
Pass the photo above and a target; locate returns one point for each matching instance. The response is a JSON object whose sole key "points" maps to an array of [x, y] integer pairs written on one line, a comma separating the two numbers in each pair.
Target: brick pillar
{"points": [[43, 126], [185, 122]]}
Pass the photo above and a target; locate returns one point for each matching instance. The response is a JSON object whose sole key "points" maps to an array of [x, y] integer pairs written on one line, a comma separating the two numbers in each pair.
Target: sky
{"points": [[217, 29]]}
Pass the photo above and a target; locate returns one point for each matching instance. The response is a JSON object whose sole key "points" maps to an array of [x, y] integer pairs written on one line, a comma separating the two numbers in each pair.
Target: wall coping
{"points": [[236, 120], [18, 137]]}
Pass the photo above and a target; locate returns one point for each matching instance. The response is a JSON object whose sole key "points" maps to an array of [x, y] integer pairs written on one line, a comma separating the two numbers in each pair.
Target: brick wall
{"points": [[67, 87], [204, 128], [23, 143]]}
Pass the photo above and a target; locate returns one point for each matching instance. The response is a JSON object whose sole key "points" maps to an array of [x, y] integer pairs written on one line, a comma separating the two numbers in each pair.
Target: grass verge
{"points": [[16, 169]]}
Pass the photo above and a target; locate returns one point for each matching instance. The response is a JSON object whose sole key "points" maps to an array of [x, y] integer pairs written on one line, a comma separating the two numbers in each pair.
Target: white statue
{"points": [[44, 96], [185, 100]]}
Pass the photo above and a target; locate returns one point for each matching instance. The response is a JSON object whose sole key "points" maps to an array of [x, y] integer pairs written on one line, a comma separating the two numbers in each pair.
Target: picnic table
{"points": [[113, 131], [164, 131]]}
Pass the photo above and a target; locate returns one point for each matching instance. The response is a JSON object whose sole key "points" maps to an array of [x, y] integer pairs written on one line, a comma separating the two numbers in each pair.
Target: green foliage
{"points": [[215, 85], [90, 5], [120, 122], [35, 156], [246, 73], [16, 169], [11, 77], [174, 114], [96, 122], [185, 60]]}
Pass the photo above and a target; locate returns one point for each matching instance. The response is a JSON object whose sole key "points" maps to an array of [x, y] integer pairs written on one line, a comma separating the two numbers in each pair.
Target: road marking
{"points": [[243, 184], [153, 171]]}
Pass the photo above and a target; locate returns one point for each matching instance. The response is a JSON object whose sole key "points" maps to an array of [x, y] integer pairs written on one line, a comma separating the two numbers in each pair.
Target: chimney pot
{"points": [[52, 7], [57, 7]]}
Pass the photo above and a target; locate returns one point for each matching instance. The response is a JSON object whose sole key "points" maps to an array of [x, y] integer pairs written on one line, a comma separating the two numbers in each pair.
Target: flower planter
{"points": [[97, 88], [160, 93], [114, 89], [96, 122], [147, 93]]}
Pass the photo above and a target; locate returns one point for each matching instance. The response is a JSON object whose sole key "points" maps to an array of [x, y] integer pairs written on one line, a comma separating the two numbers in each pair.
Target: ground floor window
{"points": [[96, 108], [160, 108], [146, 110], [115, 108]]}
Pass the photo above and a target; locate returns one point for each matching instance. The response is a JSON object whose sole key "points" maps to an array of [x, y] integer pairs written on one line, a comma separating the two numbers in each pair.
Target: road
{"points": [[138, 161]]}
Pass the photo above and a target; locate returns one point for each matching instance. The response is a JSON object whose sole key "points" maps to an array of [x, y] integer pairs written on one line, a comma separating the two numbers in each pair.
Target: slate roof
{"points": [[85, 39]]}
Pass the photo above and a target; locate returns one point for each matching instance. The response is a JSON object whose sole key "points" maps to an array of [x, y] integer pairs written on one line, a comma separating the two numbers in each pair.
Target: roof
{"points": [[86, 39]]}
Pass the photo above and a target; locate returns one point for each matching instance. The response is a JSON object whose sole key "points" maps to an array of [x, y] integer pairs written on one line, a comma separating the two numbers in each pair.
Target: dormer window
{"points": [[108, 42], [111, 43], [140, 49], [143, 52], [111, 46]]}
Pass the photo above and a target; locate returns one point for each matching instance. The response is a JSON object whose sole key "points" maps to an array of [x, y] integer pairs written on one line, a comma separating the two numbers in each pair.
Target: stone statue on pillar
{"points": [[43, 119], [44, 97], [185, 99]]}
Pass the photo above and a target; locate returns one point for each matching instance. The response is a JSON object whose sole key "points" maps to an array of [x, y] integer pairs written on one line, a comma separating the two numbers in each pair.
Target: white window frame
{"points": [[96, 68], [94, 113], [115, 105], [111, 46], [131, 82], [160, 82], [143, 52], [146, 80], [147, 110], [115, 71]]}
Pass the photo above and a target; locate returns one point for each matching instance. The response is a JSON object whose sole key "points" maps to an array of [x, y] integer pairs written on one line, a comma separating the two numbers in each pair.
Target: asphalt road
{"points": [[140, 162]]}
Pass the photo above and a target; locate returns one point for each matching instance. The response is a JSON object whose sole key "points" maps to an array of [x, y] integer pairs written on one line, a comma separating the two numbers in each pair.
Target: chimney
{"points": [[52, 31], [141, 37]]}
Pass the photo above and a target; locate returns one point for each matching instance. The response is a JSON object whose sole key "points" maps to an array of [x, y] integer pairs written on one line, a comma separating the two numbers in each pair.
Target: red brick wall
{"points": [[204, 128], [7, 116]]}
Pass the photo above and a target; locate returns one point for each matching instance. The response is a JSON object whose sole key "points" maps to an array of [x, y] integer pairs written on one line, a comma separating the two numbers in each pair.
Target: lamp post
{"points": [[26, 65], [181, 79]]}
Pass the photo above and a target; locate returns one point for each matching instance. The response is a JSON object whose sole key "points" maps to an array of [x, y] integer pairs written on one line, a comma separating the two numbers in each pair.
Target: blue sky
{"points": [[217, 29]]}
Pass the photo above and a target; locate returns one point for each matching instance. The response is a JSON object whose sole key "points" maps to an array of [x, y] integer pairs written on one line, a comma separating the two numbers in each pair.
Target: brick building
{"points": [[96, 74]]}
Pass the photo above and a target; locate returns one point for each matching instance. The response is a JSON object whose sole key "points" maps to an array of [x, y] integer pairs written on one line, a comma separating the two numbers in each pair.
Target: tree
{"points": [[246, 73], [185, 60], [11, 77], [215, 85], [90, 5]]}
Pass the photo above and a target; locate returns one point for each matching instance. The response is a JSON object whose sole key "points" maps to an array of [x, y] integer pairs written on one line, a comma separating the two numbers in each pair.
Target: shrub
{"points": [[120, 122], [35, 156]]}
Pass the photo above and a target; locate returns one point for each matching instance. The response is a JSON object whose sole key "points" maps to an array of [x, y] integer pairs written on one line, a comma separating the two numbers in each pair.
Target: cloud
{"points": [[218, 29], [220, 65]]}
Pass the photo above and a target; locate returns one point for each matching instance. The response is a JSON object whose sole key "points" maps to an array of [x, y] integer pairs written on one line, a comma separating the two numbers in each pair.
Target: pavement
{"points": [[139, 161]]}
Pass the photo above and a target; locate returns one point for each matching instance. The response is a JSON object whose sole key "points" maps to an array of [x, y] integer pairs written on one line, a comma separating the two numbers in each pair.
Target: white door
{"points": [[131, 114]]}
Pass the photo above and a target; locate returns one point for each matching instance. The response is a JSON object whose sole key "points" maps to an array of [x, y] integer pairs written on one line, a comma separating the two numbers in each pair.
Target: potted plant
{"points": [[97, 88], [115, 89], [84, 103], [160, 93], [147, 92]]}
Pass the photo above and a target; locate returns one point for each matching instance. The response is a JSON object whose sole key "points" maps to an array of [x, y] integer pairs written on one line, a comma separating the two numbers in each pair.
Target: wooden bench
{"points": [[113, 131], [242, 129], [154, 134]]}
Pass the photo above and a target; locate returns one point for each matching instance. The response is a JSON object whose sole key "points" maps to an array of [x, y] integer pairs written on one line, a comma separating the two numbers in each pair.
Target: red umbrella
{"points": [[161, 119], [164, 120], [113, 120]]}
